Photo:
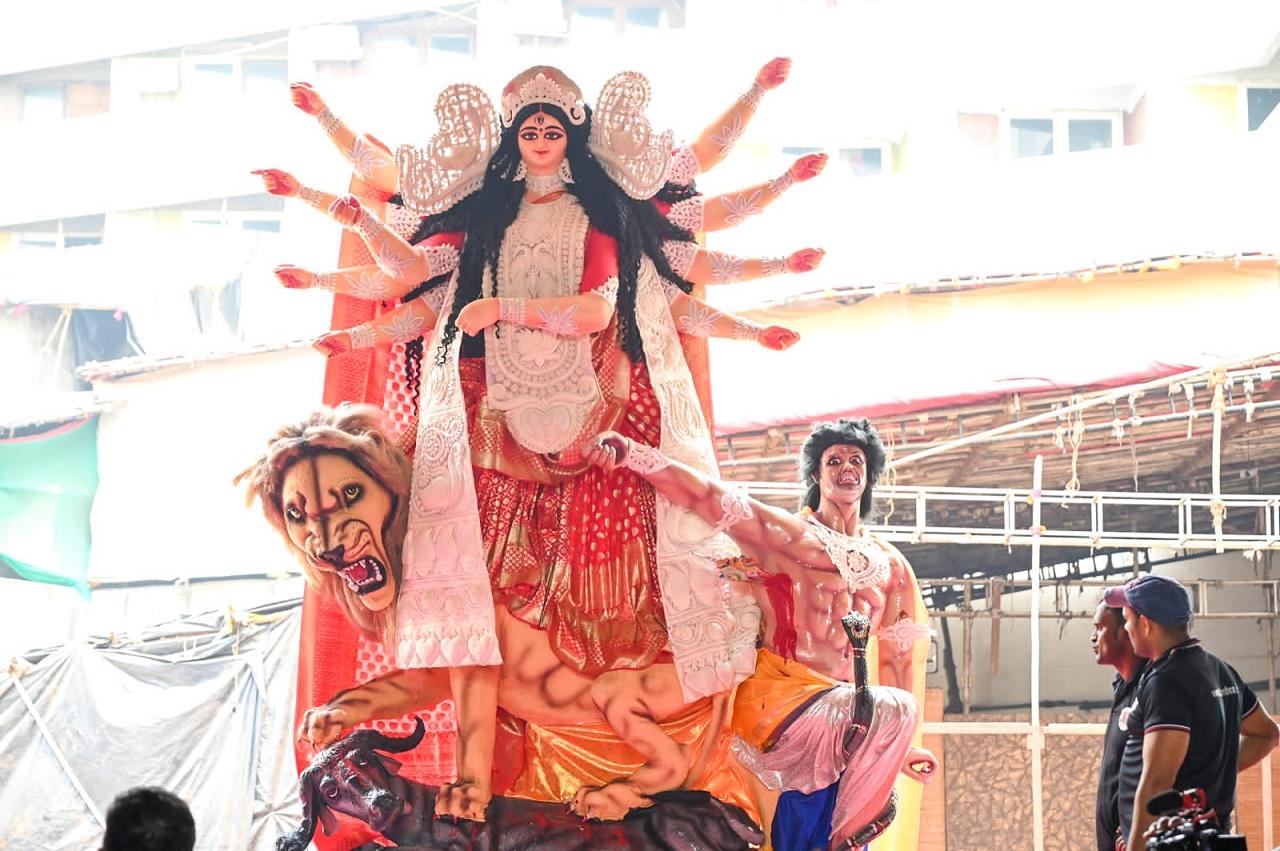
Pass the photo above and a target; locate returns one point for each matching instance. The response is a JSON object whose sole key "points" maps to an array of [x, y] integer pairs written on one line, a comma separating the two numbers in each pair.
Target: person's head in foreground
{"points": [[149, 819]]}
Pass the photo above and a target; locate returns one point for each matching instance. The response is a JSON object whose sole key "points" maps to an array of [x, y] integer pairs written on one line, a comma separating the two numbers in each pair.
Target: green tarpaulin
{"points": [[47, 482]]}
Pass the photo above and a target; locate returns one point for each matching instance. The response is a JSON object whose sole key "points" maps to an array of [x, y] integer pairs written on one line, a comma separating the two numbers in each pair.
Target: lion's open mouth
{"points": [[364, 575]]}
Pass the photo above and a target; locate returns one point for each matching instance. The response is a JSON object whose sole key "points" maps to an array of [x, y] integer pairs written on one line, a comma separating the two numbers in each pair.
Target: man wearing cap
{"points": [[1193, 722], [1111, 646]]}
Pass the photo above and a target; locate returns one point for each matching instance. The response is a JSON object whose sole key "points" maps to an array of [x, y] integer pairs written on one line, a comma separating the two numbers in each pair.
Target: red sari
{"points": [[571, 549]]}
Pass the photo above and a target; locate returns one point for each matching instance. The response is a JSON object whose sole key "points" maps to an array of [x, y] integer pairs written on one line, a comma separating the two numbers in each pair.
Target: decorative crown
{"points": [[542, 84]]}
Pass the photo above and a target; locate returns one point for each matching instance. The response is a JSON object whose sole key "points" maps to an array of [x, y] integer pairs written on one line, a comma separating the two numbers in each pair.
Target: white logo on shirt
{"points": [[1224, 692], [1122, 721]]}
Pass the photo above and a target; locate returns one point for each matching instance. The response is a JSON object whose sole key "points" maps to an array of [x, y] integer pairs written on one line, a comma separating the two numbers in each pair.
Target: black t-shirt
{"points": [[1107, 810], [1190, 689]]}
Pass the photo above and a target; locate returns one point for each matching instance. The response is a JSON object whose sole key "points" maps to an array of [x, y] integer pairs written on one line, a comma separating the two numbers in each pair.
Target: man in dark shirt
{"points": [[1111, 646], [1193, 722]]}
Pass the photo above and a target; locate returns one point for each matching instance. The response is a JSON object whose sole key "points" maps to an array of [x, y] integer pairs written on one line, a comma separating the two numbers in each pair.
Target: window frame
{"points": [[1061, 119], [670, 14], [225, 217], [25, 240], [886, 155], [1242, 98]]}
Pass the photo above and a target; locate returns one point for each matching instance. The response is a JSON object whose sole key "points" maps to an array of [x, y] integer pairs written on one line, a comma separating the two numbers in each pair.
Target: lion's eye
{"points": [[351, 493], [294, 515]]}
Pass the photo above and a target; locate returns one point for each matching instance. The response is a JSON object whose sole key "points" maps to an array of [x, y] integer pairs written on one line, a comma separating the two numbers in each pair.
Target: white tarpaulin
{"points": [[213, 726]]}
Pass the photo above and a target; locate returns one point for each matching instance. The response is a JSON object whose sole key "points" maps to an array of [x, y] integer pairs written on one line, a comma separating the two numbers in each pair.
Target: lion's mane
{"points": [[355, 432]]}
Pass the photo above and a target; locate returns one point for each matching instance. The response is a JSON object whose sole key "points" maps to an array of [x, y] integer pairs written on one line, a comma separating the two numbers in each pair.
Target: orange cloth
{"points": [[561, 759], [773, 695]]}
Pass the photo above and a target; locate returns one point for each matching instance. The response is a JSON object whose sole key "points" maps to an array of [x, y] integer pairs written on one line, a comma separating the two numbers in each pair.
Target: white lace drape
{"points": [[444, 616], [446, 612], [712, 623], [543, 382]]}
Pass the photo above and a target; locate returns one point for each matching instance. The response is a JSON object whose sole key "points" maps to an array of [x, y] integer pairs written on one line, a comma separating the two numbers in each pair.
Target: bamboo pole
{"points": [[1035, 740], [966, 679], [1268, 828], [1218, 509], [57, 752]]}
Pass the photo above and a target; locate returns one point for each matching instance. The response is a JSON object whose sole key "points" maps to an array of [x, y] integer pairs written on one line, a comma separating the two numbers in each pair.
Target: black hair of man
{"points": [[148, 818], [860, 433]]}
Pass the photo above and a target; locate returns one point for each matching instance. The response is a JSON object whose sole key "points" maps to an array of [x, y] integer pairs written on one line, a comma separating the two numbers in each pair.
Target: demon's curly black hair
{"points": [[860, 433]]}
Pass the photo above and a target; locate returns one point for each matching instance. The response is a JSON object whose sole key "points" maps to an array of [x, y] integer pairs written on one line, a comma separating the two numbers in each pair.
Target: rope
{"points": [[1218, 381], [890, 472], [1077, 435]]}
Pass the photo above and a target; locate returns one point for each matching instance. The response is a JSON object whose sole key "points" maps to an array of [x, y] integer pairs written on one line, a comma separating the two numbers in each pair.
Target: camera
{"points": [[1193, 825]]}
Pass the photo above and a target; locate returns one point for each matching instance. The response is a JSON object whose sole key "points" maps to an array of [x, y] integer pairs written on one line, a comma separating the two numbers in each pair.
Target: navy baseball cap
{"points": [[1164, 600]]}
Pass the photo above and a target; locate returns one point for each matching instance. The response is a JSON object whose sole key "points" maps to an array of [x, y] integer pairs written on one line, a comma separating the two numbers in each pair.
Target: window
{"points": [[38, 236], [212, 74], [603, 16], [1030, 137], [1088, 134], [42, 103], [864, 162], [264, 75], [799, 150], [647, 17], [598, 19], [83, 230], [209, 79], [261, 225], [1260, 103], [58, 233], [260, 212], [457, 43], [1060, 133]]}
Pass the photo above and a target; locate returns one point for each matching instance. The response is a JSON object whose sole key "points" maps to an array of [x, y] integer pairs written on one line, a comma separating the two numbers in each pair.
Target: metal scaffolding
{"points": [[996, 521], [1181, 507]]}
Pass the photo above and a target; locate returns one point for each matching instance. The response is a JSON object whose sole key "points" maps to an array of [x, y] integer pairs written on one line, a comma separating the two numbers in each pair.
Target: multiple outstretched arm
{"points": [[695, 317], [700, 266], [370, 159], [401, 266], [719, 212], [405, 322], [394, 255], [714, 143], [571, 315]]}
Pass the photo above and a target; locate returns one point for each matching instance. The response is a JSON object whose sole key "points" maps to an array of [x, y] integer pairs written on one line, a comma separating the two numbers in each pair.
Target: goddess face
{"points": [[842, 474], [542, 142], [335, 514]]}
